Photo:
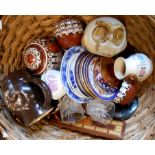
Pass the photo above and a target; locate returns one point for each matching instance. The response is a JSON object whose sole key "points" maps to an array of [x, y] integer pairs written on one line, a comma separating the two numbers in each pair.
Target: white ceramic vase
{"points": [[138, 64]]}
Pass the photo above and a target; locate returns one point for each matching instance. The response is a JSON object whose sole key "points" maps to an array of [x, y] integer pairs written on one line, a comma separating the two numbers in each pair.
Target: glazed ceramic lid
{"points": [[105, 36], [35, 58], [67, 27]]}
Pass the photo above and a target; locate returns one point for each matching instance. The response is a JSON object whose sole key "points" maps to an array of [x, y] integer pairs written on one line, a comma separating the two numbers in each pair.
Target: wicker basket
{"points": [[18, 31]]}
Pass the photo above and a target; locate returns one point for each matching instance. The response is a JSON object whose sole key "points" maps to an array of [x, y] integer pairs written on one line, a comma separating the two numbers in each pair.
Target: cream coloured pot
{"points": [[105, 36]]}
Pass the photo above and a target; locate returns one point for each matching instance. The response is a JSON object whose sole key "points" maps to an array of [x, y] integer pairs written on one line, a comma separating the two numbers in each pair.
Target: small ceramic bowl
{"points": [[69, 33]]}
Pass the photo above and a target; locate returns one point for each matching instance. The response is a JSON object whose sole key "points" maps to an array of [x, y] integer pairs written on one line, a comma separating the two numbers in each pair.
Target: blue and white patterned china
{"points": [[65, 59], [71, 73], [86, 71], [77, 75]]}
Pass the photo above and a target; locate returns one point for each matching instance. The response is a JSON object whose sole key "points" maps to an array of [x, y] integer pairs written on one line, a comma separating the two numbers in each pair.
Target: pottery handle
{"points": [[45, 90]]}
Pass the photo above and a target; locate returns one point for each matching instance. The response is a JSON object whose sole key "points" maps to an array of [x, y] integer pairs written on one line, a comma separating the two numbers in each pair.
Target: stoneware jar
{"points": [[69, 33], [27, 98], [41, 55], [138, 64], [105, 36], [128, 90], [53, 79]]}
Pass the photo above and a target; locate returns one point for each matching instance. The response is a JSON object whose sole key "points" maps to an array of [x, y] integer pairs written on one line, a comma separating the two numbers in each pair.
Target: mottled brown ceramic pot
{"points": [[27, 98], [106, 67], [69, 33]]}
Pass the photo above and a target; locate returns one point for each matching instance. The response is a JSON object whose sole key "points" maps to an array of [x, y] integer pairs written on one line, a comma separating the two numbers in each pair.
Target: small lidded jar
{"points": [[69, 33]]}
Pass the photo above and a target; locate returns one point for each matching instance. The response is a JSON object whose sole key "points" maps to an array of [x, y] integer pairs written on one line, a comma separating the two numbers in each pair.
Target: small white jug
{"points": [[138, 64]]}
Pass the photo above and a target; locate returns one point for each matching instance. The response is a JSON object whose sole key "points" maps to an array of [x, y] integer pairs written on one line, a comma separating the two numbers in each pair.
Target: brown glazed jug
{"points": [[27, 98]]}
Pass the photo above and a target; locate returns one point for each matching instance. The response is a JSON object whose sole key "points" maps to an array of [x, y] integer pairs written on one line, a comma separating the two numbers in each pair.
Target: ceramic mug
{"points": [[53, 79], [137, 64], [27, 98]]}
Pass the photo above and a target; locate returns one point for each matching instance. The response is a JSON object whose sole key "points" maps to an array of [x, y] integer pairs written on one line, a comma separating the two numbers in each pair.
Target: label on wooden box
{"points": [[113, 130]]}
